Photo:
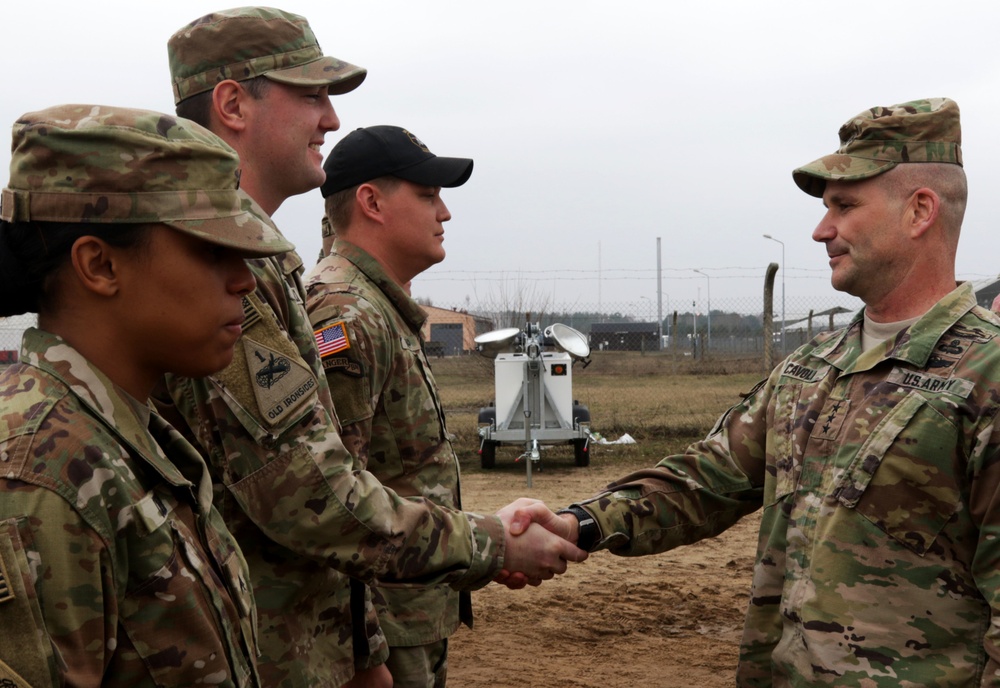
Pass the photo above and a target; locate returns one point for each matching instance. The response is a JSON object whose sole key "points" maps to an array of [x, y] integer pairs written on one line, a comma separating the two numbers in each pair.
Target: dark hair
{"points": [[198, 108], [32, 252]]}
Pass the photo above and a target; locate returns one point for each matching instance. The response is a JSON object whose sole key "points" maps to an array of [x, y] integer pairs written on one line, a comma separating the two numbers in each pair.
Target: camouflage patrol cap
{"points": [[109, 165], [878, 139], [248, 42]]}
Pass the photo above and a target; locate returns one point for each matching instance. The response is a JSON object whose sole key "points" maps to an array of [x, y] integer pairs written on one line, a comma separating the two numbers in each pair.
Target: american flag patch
{"points": [[331, 339], [6, 594], [250, 313]]}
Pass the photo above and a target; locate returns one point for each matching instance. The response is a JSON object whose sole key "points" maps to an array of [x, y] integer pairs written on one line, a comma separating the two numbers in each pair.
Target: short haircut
{"points": [[340, 205], [198, 108], [947, 180]]}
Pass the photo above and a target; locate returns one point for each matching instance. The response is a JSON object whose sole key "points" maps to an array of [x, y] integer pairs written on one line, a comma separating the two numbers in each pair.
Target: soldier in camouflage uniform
{"points": [[382, 228], [285, 483], [874, 450], [126, 232]]}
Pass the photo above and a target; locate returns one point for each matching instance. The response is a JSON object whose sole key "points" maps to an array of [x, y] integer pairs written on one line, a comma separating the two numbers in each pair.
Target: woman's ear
{"points": [[95, 264]]}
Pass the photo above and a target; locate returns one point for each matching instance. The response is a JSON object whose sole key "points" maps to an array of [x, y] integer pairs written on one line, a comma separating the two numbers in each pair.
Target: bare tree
{"points": [[507, 302]]}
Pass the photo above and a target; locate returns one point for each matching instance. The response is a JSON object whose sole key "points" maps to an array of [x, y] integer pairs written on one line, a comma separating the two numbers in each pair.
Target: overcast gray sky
{"points": [[595, 128]]}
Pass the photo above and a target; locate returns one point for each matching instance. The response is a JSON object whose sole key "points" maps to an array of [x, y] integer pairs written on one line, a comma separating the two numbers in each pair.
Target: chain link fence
{"points": [[738, 327], [10, 336]]}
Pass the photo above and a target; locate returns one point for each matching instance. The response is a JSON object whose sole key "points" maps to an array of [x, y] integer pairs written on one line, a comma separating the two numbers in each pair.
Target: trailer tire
{"points": [[488, 455], [581, 452]]}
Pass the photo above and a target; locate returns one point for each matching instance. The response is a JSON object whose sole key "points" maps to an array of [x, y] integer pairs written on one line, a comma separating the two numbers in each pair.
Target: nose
{"points": [[329, 121], [241, 280], [825, 230], [443, 213]]}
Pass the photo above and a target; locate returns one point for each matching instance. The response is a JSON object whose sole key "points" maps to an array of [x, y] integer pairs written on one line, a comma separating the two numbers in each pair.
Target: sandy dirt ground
{"points": [[672, 619]]}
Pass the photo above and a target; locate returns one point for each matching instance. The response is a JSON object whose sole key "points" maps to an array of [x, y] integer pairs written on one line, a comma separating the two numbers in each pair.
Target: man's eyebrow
{"points": [[836, 197]]}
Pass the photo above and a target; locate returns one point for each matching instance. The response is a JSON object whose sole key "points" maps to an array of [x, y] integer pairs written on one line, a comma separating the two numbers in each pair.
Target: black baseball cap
{"points": [[373, 152]]}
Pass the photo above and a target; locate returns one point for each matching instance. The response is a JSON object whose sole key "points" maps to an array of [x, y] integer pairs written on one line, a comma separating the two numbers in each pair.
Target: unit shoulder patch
{"points": [[280, 383]]}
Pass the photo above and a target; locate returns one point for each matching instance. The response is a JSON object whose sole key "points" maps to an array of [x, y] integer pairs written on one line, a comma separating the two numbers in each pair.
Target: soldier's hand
{"points": [[537, 545]]}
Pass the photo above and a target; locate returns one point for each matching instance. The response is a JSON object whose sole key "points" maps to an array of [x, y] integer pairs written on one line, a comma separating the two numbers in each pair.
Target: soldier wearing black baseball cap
{"points": [[372, 152], [383, 203]]}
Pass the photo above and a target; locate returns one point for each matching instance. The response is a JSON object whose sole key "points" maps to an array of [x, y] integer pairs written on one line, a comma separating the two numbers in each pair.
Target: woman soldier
{"points": [[126, 232]]}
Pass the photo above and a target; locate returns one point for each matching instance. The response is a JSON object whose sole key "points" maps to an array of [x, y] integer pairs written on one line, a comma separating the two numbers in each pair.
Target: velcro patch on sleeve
{"points": [[342, 364], [250, 313], [268, 383], [280, 383], [26, 652], [332, 339], [6, 592]]}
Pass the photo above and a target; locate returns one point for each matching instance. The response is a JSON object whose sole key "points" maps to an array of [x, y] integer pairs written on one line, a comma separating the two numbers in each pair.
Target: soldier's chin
{"points": [[209, 365]]}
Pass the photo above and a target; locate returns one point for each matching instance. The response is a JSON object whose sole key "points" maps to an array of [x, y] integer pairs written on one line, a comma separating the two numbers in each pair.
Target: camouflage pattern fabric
{"points": [[878, 475], [287, 489], [111, 165], [878, 139], [392, 418], [115, 569], [247, 42]]}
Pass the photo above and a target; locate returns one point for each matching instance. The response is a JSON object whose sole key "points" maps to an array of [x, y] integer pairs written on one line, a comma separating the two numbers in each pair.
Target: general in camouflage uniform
{"points": [[368, 331], [874, 450], [115, 569], [283, 479]]}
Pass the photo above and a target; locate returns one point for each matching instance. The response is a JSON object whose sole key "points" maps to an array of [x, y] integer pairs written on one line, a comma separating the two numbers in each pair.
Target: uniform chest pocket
{"points": [[170, 617], [904, 479], [413, 425]]}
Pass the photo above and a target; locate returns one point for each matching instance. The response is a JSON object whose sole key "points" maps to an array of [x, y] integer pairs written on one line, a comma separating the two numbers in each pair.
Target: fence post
{"points": [[772, 270], [673, 343]]}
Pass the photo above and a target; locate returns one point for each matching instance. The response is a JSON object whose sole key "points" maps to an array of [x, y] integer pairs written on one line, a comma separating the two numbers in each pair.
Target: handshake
{"points": [[539, 543]]}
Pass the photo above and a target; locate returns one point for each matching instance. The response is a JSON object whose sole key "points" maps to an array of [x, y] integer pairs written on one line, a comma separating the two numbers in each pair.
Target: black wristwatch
{"points": [[589, 532]]}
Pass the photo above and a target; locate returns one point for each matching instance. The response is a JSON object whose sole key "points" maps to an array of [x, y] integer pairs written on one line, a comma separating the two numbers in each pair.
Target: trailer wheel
{"points": [[581, 452], [488, 454]]}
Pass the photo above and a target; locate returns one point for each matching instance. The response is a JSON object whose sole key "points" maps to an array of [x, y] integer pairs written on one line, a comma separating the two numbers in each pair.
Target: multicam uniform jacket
{"points": [[879, 555], [115, 570], [289, 493], [393, 422]]}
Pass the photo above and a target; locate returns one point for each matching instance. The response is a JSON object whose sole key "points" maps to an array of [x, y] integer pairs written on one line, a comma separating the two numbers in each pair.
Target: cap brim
{"points": [[250, 232], [340, 76], [438, 171], [812, 178]]}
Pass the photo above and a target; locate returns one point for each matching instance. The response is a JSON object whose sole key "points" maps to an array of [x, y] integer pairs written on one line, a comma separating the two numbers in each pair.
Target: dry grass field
{"points": [[668, 620]]}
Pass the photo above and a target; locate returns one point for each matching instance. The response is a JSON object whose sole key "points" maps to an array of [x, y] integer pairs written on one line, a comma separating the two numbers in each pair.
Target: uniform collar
{"points": [[913, 345], [373, 270], [124, 416]]}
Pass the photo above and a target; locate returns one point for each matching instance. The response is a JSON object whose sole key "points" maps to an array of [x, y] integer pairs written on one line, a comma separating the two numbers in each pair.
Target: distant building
{"points": [[986, 291], [451, 332], [625, 336]]}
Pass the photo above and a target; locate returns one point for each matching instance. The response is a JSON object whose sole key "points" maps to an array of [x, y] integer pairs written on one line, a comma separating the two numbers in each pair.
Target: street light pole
{"points": [[768, 236], [708, 344]]}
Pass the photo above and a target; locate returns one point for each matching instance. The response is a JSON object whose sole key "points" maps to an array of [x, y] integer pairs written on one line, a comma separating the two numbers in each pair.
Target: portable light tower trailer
{"points": [[534, 403]]}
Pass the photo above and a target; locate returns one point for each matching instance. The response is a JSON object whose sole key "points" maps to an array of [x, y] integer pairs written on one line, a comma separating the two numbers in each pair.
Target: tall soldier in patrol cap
{"points": [[383, 227], [874, 450], [126, 232], [257, 77]]}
